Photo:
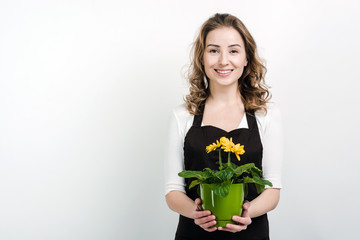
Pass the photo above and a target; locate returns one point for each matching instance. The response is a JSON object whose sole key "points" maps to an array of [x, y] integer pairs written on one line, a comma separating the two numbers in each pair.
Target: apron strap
{"points": [[198, 118], [250, 116]]}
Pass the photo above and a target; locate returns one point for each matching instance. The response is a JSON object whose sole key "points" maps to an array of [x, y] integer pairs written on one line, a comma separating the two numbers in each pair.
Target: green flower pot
{"points": [[223, 208]]}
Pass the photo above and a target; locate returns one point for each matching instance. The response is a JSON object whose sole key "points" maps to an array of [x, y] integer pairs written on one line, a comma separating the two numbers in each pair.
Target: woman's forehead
{"points": [[224, 36]]}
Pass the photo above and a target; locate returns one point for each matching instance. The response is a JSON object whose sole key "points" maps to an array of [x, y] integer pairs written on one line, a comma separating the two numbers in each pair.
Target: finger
{"points": [[203, 220], [245, 213], [246, 205], [209, 225], [200, 214], [232, 228], [198, 204], [242, 220], [226, 229]]}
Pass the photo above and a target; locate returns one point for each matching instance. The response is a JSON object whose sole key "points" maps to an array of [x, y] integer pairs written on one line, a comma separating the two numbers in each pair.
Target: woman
{"points": [[228, 97]]}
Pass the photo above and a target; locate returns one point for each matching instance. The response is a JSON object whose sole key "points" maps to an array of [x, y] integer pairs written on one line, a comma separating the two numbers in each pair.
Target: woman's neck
{"points": [[224, 95]]}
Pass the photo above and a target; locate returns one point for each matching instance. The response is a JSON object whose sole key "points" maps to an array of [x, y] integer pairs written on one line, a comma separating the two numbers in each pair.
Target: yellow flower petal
{"points": [[226, 144], [238, 150], [213, 146]]}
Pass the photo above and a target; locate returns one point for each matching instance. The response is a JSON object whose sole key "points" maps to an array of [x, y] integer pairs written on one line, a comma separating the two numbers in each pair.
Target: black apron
{"points": [[196, 158]]}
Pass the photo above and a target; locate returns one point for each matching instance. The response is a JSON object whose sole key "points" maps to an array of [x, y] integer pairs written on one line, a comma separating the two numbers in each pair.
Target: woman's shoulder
{"points": [[271, 111], [181, 111], [183, 118], [272, 114]]}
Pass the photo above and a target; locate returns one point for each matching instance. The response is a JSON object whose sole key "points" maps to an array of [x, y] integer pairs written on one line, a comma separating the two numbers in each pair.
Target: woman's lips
{"points": [[223, 72]]}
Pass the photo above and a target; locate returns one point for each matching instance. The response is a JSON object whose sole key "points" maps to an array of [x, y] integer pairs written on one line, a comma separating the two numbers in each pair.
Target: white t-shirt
{"points": [[270, 129]]}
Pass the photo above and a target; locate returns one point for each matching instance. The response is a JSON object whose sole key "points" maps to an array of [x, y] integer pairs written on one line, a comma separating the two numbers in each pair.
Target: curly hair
{"points": [[254, 92]]}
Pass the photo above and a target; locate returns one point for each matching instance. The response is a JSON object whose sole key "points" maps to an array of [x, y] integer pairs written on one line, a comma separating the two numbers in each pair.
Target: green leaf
{"points": [[231, 165], [243, 169], [256, 172], [222, 189], [238, 180], [194, 183], [224, 175], [221, 167], [208, 173], [192, 174], [259, 188], [261, 181], [248, 180]]}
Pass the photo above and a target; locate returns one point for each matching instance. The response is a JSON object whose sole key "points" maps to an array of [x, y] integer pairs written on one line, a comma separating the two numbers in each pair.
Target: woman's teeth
{"points": [[223, 71]]}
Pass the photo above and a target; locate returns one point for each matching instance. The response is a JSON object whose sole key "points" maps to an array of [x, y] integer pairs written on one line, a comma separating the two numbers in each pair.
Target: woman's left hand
{"points": [[243, 221]]}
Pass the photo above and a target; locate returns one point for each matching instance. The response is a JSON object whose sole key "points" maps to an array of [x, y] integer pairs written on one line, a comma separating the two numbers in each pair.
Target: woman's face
{"points": [[224, 56]]}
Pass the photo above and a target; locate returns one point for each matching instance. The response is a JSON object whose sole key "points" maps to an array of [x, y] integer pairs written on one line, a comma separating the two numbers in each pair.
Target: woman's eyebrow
{"points": [[232, 45], [235, 45], [212, 45]]}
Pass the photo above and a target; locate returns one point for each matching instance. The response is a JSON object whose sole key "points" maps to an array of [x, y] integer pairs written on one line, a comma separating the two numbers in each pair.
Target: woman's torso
{"points": [[195, 158]]}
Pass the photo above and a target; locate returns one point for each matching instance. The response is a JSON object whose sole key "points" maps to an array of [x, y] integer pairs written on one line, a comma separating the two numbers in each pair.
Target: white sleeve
{"points": [[174, 156], [272, 141]]}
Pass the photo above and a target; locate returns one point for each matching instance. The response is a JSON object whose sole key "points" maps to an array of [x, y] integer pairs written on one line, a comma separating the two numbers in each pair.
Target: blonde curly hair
{"points": [[254, 92]]}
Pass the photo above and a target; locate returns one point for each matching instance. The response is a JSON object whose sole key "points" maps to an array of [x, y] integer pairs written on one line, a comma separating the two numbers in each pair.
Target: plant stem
{"points": [[220, 162], [229, 159]]}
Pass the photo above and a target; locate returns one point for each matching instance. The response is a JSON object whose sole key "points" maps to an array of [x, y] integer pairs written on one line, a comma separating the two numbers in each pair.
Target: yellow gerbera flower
{"points": [[238, 150], [227, 144], [213, 146]]}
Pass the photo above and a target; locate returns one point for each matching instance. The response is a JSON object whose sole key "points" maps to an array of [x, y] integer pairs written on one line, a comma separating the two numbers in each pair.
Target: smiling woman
{"points": [[230, 30], [228, 97], [224, 57]]}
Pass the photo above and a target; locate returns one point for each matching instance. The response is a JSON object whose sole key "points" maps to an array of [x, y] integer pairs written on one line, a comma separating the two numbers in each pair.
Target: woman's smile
{"points": [[223, 72]]}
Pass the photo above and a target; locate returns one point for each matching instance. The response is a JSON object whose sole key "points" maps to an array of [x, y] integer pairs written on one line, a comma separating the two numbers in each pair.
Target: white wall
{"points": [[86, 89]]}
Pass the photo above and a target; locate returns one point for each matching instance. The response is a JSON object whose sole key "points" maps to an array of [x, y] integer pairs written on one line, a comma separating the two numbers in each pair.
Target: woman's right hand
{"points": [[203, 218]]}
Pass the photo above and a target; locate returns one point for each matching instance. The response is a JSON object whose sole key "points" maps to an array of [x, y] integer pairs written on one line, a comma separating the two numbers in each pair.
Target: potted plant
{"points": [[222, 191]]}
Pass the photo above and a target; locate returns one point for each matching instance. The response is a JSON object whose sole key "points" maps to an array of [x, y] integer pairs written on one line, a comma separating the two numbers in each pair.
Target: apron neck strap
{"points": [[251, 119], [198, 117]]}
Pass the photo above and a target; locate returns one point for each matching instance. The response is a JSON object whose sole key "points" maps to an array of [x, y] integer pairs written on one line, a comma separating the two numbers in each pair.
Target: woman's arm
{"points": [[265, 202], [270, 128], [182, 204], [176, 198]]}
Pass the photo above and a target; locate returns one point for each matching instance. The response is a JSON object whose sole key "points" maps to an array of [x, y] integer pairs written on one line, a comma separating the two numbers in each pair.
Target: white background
{"points": [[86, 90]]}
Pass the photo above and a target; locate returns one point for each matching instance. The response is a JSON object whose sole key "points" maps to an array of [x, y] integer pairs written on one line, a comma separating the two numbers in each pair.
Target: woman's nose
{"points": [[223, 60]]}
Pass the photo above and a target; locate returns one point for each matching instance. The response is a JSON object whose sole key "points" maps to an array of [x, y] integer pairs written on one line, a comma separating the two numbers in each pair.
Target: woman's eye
{"points": [[233, 51], [213, 51]]}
